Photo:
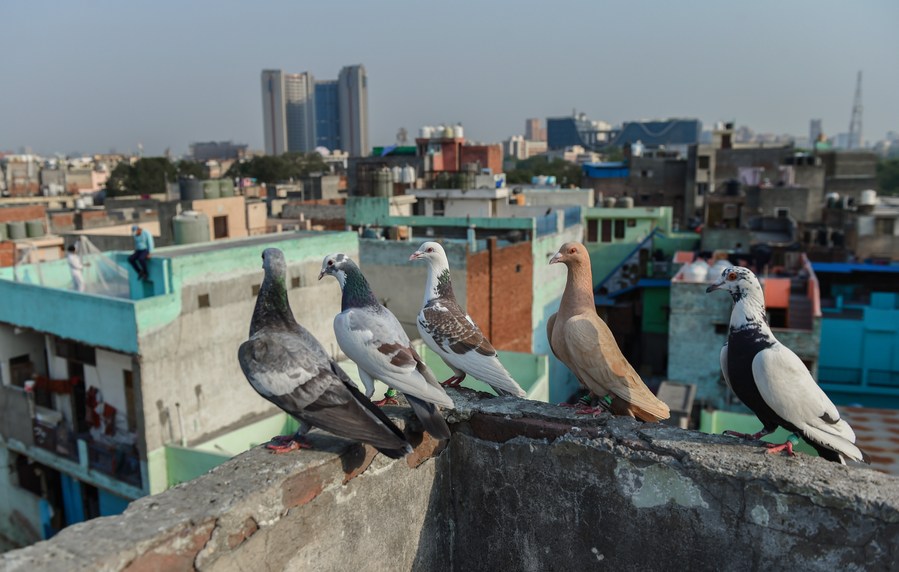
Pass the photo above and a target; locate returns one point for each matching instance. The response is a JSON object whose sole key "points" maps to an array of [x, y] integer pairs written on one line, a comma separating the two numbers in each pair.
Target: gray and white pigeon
{"points": [[286, 365], [370, 335], [773, 382], [448, 330]]}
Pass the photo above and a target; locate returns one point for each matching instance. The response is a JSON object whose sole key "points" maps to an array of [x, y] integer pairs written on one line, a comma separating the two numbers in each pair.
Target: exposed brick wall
{"points": [[92, 219], [500, 294], [27, 212], [7, 253], [488, 156], [63, 221]]}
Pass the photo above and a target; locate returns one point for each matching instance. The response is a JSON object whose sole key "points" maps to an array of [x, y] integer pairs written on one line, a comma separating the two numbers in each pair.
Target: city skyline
{"points": [[618, 63]]}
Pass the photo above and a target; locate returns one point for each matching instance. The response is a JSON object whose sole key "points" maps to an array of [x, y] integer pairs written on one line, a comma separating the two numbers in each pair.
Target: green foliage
{"points": [[278, 169], [566, 173], [888, 176], [191, 169], [613, 154], [147, 176]]}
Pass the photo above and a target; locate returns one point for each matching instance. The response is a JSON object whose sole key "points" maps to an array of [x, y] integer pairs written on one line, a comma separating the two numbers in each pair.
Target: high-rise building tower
{"points": [[855, 124], [534, 131], [352, 91], [274, 124], [327, 115], [288, 112], [814, 131]]}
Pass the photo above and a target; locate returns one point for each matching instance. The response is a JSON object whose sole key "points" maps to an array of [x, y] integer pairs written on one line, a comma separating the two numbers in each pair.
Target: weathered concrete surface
{"points": [[521, 486]]}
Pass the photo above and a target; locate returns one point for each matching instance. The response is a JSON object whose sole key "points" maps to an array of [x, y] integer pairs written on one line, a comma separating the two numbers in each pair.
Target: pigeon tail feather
{"points": [[431, 418]]}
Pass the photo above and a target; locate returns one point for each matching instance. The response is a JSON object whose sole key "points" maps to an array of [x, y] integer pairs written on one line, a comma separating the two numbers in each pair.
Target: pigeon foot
{"points": [[287, 443], [774, 448], [747, 436], [594, 411], [388, 400], [454, 381]]}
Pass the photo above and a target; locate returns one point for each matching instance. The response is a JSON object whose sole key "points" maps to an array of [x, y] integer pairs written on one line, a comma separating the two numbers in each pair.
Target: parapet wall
{"points": [[521, 486]]}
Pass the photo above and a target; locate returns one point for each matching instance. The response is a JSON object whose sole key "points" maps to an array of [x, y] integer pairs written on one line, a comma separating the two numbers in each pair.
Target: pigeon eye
{"points": [[572, 251], [430, 250], [330, 263], [732, 276]]}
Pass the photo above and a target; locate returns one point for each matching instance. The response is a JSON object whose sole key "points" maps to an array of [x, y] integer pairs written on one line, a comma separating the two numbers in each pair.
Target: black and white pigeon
{"points": [[286, 365], [773, 382], [370, 335], [448, 330]]}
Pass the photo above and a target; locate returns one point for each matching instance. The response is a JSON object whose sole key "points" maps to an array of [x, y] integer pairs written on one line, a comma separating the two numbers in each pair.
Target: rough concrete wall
{"points": [[521, 486]]}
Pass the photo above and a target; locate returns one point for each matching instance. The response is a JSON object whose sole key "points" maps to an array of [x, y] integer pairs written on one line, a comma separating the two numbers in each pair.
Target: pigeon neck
{"points": [[439, 284], [578, 291], [356, 291], [749, 312], [272, 305]]}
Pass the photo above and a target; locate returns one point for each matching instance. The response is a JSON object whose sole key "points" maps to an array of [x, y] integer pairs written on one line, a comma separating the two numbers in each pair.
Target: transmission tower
{"points": [[855, 124]]}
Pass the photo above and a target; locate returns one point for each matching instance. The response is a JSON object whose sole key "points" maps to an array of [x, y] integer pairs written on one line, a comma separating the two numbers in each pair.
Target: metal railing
{"points": [[118, 461]]}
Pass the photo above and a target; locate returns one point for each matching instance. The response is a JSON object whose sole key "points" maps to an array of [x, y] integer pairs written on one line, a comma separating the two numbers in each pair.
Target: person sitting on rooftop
{"points": [[143, 246]]}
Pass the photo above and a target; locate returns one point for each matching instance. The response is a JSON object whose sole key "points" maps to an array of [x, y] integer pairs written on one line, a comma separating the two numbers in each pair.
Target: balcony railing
{"points": [[119, 461], [55, 438]]}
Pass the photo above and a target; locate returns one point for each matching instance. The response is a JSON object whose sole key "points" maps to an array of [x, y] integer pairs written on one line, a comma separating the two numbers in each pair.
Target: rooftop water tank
{"points": [[698, 271], [439, 131], [190, 189], [191, 227], [868, 198], [833, 199], [3, 232], [624, 203], [211, 189], [459, 131], [397, 173], [34, 228], [609, 202], [226, 187], [426, 132], [383, 182], [16, 229], [409, 174]]}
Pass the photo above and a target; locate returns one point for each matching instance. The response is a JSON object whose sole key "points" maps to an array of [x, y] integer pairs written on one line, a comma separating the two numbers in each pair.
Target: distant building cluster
{"points": [[301, 113]]}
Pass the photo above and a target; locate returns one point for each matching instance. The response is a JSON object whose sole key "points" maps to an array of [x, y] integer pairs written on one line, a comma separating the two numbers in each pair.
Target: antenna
{"points": [[855, 124]]}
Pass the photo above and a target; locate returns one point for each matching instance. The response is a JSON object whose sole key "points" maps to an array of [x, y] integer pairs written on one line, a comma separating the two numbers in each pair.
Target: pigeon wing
{"points": [[790, 391], [601, 365], [296, 375], [722, 358], [378, 345]]}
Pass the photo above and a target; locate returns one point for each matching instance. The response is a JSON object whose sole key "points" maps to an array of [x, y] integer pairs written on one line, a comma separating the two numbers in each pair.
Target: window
{"points": [[619, 228], [20, 370], [702, 189], [781, 212], [646, 173], [203, 300], [592, 230], [73, 351], [884, 226], [439, 207], [130, 409], [703, 162], [631, 222], [607, 231], [220, 226]]}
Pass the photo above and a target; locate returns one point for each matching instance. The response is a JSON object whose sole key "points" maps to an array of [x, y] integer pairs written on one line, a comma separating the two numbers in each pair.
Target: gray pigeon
{"points": [[290, 368], [370, 335], [773, 382], [448, 330]]}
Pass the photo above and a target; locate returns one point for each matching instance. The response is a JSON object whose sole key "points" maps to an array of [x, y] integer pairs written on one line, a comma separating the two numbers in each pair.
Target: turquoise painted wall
{"points": [[717, 422], [184, 464]]}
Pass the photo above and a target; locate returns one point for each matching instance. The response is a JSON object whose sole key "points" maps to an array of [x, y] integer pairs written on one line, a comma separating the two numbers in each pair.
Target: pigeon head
{"points": [[273, 262], [336, 265], [571, 253], [739, 281], [430, 252]]}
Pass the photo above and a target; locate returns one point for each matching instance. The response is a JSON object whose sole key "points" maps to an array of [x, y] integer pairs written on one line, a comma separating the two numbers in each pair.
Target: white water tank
{"points": [[439, 131], [459, 131], [397, 173], [409, 174], [426, 132], [868, 198], [450, 132], [698, 271]]}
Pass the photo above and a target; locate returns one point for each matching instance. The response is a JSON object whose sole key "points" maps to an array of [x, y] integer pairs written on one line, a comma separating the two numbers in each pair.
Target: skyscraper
{"points": [[352, 90], [814, 131], [274, 124], [300, 114]]}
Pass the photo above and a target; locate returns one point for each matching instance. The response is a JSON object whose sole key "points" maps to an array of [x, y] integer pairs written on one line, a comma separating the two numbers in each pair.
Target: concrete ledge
{"points": [[521, 486]]}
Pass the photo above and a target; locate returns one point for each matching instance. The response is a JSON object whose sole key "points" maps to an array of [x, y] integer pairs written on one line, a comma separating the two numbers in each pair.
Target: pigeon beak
{"points": [[321, 274], [557, 257], [415, 256], [715, 286]]}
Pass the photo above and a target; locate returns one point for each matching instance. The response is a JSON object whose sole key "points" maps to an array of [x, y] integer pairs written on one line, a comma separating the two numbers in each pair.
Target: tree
{"points": [[888, 176], [276, 169], [565, 173], [193, 169], [147, 176]]}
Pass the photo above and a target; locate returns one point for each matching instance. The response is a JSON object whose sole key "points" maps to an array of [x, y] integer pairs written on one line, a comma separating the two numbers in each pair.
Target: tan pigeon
{"points": [[584, 343]]}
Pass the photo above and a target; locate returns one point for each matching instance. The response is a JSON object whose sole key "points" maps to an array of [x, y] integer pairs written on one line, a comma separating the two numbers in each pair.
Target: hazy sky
{"points": [[100, 74]]}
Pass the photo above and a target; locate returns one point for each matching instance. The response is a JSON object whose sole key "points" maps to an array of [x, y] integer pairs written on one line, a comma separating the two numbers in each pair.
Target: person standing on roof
{"points": [[75, 267], [143, 246]]}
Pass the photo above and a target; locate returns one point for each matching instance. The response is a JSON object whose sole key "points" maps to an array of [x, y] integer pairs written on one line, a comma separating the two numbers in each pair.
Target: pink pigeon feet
{"points": [[454, 381], [281, 444], [589, 411], [388, 400], [775, 448]]}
